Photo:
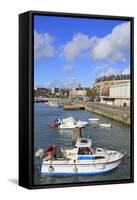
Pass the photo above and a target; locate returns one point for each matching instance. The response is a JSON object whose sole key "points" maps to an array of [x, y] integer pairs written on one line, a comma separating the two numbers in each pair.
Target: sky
{"points": [[72, 51]]}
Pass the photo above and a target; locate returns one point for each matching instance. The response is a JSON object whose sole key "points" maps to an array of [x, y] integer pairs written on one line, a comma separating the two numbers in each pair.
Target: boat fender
{"points": [[51, 169], [124, 152], [75, 169]]}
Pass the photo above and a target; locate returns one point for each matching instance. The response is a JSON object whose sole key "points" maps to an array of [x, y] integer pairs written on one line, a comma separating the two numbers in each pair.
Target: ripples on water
{"points": [[115, 138]]}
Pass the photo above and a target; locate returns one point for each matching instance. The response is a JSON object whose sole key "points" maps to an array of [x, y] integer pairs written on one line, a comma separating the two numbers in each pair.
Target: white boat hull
{"points": [[93, 120], [75, 169], [66, 126], [81, 124], [71, 125], [105, 125]]}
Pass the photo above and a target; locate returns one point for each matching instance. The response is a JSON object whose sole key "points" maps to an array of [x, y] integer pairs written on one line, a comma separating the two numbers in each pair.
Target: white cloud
{"points": [[43, 45], [70, 82], [77, 45], [114, 46], [106, 70], [68, 68]]}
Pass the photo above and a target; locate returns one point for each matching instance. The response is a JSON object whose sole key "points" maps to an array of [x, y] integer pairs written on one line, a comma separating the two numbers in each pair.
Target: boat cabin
{"points": [[84, 151], [84, 142]]}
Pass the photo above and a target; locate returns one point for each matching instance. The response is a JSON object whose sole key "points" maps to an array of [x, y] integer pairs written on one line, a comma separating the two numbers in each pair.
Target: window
{"points": [[84, 151], [99, 157]]}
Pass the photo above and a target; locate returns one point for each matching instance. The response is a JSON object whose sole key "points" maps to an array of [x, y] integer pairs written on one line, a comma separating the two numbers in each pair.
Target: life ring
{"points": [[51, 169]]}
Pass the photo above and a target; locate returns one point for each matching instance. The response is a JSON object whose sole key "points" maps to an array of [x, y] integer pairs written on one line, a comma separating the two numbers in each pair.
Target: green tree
{"points": [[91, 92]]}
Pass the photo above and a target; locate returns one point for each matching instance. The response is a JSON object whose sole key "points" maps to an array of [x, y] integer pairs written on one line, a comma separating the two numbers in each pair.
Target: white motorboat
{"points": [[68, 125], [93, 120], [52, 104], [68, 119], [80, 160], [72, 125], [106, 125], [81, 124]]}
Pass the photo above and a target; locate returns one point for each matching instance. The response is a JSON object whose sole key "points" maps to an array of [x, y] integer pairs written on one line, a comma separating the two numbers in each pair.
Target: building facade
{"points": [[54, 90], [119, 94], [103, 87], [77, 92]]}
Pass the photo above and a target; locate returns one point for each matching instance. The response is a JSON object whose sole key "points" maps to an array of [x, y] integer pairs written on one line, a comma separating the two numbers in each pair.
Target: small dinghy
{"points": [[93, 120], [106, 125], [71, 161], [94, 126], [55, 123]]}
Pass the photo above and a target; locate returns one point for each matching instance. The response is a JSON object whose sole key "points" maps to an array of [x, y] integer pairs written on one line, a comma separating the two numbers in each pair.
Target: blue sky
{"points": [[71, 51]]}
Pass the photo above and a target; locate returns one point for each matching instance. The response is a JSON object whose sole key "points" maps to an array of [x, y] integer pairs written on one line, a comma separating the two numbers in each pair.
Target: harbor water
{"points": [[115, 138]]}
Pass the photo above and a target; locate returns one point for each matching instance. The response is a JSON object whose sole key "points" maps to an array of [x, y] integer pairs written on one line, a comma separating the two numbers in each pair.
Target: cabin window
{"points": [[84, 141], [99, 157], [84, 151]]}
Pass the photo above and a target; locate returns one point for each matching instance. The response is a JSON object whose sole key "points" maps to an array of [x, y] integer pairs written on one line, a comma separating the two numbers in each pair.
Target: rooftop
{"points": [[113, 77], [84, 142]]}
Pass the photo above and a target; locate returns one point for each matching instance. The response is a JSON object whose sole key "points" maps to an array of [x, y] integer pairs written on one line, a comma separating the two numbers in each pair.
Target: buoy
{"points": [[51, 169]]}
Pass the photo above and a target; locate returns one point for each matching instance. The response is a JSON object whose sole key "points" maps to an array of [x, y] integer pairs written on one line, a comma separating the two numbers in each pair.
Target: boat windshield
{"points": [[84, 151]]}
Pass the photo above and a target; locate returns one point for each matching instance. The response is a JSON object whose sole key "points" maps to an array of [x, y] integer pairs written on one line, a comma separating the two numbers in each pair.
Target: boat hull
{"points": [[66, 127], [73, 125], [79, 169]]}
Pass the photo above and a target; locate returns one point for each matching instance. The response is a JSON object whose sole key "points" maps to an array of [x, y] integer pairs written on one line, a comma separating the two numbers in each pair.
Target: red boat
{"points": [[53, 124], [94, 126]]}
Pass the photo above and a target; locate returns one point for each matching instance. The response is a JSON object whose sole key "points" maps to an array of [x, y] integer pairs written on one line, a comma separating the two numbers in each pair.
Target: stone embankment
{"points": [[119, 114], [113, 112]]}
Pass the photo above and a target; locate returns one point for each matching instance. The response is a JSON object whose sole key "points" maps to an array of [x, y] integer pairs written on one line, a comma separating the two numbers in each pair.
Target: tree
{"points": [[91, 92]]}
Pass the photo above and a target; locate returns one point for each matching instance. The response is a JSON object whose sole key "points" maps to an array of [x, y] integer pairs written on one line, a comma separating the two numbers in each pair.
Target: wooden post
{"points": [[77, 133]]}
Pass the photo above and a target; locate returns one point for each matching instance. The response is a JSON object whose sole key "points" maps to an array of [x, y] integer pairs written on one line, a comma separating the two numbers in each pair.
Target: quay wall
{"points": [[113, 112], [119, 114]]}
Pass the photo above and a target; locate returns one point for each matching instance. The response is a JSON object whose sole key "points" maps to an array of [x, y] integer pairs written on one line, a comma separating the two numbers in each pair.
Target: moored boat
{"points": [[81, 124], [72, 125], [52, 104], [106, 125], [83, 159], [93, 120], [68, 123], [53, 124]]}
